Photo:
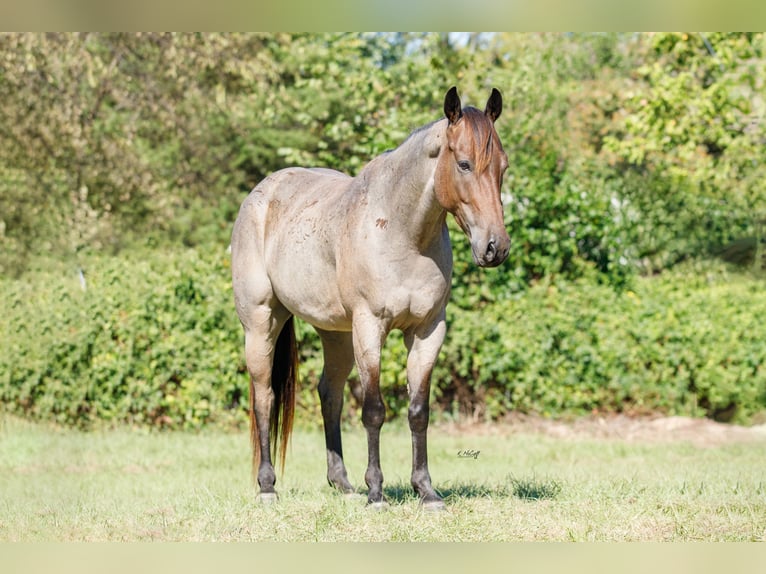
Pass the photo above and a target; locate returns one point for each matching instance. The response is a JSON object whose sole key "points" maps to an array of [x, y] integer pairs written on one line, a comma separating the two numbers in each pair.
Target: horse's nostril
{"points": [[491, 250]]}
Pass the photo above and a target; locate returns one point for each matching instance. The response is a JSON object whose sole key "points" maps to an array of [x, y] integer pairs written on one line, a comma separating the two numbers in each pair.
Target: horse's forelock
{"points": [[483, 134]]}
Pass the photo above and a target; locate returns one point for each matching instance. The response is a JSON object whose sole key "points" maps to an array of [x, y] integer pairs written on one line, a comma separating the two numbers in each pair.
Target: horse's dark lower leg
{"points": [[338, 361], [336, 469], [373, 415], [259, 352], [421, 478], [267, 478], [368, 338], [263, 399], [423, 348]]}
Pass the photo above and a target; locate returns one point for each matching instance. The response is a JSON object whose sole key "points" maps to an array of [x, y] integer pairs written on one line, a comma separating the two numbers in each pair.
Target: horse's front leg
{"points": [[423, 344], [368, 336]]}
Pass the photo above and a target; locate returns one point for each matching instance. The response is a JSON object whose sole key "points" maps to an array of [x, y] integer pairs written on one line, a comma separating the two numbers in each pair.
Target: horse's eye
{"points": [[464, 165]]}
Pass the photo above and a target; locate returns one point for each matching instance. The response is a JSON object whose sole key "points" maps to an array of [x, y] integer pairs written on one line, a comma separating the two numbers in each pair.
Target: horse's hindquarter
{"points": [[306, 213]]}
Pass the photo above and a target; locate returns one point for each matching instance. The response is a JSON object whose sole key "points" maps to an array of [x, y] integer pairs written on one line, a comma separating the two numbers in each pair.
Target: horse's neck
{"points": [[401, 186]]}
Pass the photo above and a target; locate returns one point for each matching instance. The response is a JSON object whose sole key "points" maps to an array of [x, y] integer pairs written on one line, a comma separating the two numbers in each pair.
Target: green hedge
{"points": [[154, 341], [685, 343]]}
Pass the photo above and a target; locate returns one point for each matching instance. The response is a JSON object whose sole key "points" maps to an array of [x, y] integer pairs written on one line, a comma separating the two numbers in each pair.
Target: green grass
{"points": [[63, 485]]}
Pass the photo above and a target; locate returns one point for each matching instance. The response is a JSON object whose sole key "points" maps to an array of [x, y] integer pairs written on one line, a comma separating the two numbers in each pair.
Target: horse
{"points": [[357, 257]]}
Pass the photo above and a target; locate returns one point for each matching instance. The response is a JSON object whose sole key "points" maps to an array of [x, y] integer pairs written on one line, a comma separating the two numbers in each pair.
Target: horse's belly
{"points": [[324, 312], [307, 287]]}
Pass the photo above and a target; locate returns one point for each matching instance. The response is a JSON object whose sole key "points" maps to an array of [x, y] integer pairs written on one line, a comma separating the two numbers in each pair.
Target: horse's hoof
{"points": [[378, 506], [434, 506], [268, 498]]}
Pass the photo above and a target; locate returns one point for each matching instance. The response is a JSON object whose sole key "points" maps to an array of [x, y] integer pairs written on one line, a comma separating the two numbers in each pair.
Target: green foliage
{"points": [[686, 343], [686, 138], [154, 341], [150, 342]]}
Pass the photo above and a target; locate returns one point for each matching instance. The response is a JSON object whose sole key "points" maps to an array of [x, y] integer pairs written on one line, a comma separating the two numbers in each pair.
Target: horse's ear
{"points": [[494, 105], [452, 107]]}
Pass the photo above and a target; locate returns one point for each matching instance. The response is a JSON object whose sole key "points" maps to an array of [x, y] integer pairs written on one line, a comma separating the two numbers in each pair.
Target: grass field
{"points": [[519, 484]]}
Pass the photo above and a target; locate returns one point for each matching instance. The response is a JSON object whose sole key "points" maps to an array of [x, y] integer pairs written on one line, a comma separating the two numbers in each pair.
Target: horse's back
{"points": [[302, 183], [290, 189]]}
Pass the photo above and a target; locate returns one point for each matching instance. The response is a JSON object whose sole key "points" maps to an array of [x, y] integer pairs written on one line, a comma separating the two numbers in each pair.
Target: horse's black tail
{"points": [[284, 380]]}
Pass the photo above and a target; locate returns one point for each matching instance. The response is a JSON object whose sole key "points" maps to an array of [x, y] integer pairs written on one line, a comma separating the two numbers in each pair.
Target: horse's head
{"points": [[469, 175]]}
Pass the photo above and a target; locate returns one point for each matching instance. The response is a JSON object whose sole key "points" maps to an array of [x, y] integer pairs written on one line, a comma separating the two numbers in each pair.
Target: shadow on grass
{"points": [[530, 489]]}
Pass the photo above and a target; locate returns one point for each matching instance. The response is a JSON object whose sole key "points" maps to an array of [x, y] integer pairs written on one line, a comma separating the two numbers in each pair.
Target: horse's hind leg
{"points": [[261, 331], [338, 361]]}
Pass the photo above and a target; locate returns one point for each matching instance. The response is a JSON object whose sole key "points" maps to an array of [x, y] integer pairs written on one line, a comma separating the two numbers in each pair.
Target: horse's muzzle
{"points": [[493, 252]]}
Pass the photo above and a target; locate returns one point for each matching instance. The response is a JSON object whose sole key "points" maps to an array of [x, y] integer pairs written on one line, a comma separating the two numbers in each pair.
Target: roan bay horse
{"points": [[356, 258]]}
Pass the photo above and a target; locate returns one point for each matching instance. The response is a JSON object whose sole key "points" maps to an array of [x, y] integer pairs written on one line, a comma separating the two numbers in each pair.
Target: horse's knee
{"points": [[373, 414], [418, 416]]}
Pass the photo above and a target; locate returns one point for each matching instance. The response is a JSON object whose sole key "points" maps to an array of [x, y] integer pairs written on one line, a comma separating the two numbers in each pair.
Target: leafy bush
{"points": [[154, 341], [151, 342], [682, 343]]}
